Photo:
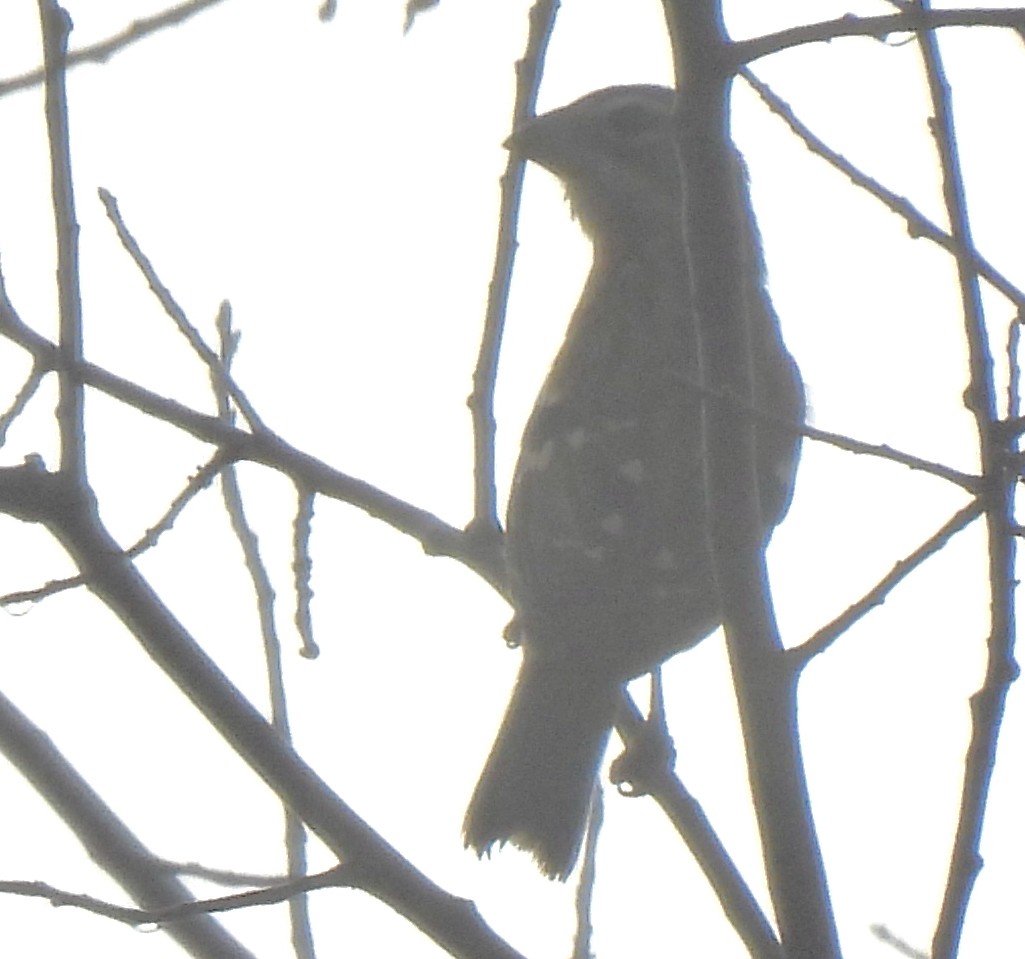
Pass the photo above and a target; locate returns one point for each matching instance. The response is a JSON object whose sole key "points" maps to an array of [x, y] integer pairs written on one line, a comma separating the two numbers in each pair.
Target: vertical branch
{"points": [[482, 401], [56, 28], [987, 704], [302, 569], [263, 588], [1014, 368], [765, 683]]}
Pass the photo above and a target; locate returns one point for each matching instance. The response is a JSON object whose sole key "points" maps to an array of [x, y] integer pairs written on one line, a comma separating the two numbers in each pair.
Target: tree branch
{"points": [[56, 27], [109, 842], [69, 512], [529, 68], [987, 705], [105, 49], [436, 537], [910, 20], [716, 221]]}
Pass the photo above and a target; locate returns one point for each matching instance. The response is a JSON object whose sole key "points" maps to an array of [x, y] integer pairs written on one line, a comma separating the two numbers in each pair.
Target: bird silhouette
{"points": [[609, 562]]}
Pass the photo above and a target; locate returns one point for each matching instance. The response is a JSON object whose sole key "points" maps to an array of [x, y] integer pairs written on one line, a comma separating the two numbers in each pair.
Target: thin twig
{"points": [[688, 818], [21, 399], [583, 899], [221, 877], [56, 27], [109, 841], [200, 480], [177, 314], [103, 50], [32, 382], [910, 20], [966, 481], [808, 650], [55, 501], [884, 935], [172, 915], [263, 588], [302, 569], [918, 224], [1014, 369], [529, 68], [435, 536]]}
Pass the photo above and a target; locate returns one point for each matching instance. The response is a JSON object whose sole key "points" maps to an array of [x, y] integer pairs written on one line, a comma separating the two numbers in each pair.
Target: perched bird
{"points": [[608, 557]]}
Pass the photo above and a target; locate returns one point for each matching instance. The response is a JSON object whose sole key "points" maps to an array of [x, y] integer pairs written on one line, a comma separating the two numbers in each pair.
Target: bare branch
{"points": [[105, 49], [717, 210], [302, 567], [481, 402], [56, 26], [110, 843], [199, 481], [263, 588], [917, 222], [803, 654], [436, 537], [21, 399], [886, 452], [171, 307], [987, 705], [69, 513], [689, 819], [910, 20]]}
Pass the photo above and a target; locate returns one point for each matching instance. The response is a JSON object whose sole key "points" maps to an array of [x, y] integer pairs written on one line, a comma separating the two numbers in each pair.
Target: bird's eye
{"points": [[630, 120]]}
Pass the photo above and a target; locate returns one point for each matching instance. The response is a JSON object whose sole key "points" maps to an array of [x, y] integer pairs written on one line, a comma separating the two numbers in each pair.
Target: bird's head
{"points": [[614, 150]]}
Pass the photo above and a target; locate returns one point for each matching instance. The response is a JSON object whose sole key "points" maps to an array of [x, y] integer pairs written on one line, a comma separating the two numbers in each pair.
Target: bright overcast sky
{"points": [[337, 182]]}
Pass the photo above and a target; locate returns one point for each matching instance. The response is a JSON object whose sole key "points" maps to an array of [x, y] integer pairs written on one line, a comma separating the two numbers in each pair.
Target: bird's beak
{"points": [[536, 140], [512, 142]]}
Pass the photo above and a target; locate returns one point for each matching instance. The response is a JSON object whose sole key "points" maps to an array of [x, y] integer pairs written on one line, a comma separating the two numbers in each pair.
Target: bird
{"points": [[606, 542]]}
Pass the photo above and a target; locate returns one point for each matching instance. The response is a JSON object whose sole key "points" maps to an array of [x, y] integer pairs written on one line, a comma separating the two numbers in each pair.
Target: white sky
{"points": [[338, 183]]}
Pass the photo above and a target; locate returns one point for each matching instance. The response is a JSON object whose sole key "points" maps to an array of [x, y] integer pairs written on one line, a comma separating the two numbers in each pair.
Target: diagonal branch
{"points": [[690, 821], [102, 51], [313, 475], [824, 638], [199, 481], [110, 843], [69, 512], [917, 222], [221, 376]]}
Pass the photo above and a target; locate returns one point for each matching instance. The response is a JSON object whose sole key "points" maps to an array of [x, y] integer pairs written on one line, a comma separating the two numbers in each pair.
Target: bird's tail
{"points": [[535, 790]]}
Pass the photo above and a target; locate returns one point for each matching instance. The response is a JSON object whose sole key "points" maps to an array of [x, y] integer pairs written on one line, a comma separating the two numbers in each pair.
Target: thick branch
{"points": [[715, 221], [70, 514], [106, 838]]}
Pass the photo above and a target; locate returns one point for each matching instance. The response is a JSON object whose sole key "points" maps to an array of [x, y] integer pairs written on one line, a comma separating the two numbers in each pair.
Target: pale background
{"points": [[338, 183]]}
